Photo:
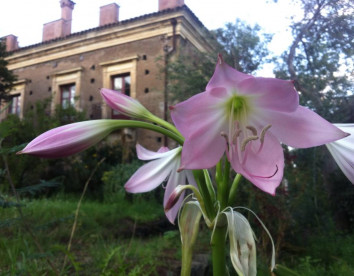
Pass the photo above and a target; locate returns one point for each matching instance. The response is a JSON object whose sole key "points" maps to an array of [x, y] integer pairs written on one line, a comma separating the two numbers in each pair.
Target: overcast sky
{"points": [[25, 18]]}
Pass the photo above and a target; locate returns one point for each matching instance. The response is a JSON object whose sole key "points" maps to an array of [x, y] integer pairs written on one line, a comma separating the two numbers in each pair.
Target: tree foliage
{"points": [[6, 77], [242, 46], [319, 60]]}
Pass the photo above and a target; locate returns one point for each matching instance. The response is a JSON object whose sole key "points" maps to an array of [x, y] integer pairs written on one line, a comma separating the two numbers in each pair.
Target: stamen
{"points": [[223, 134], [259, 176], [246, 141], [236, 135], [252, 129], [263, 132]]}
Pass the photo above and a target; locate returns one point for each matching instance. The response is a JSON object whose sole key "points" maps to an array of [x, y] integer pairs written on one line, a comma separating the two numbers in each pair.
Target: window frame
{"points": [[71, 98], [16, 104]]}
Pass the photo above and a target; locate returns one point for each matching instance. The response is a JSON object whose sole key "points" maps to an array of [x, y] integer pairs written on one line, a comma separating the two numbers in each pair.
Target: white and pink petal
{"points": [[302, 128]]}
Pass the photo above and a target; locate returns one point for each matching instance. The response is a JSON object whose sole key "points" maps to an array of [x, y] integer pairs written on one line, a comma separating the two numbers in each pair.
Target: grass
{"points": [[108, 238], [129, 238]]}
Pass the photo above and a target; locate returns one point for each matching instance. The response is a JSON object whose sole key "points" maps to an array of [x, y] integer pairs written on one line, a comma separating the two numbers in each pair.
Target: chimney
{"points": [[60, 27], [67, 7], [170, 4], [109, 14], [11, 43]]}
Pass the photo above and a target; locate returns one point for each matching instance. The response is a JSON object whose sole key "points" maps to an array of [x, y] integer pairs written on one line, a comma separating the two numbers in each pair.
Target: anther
{"points": [[246, 141], [263, 132], [252, 129]]}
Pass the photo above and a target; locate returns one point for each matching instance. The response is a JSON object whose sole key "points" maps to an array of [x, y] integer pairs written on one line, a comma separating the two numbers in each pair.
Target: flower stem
{"points": [[218, 251], [232, 193], [186, 262], [223, 185], [204, 191], [164, 124], [138, 124]]}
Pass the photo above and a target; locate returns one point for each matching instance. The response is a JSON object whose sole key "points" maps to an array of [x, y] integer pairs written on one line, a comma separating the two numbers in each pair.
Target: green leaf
{"points": [[44, 184]]}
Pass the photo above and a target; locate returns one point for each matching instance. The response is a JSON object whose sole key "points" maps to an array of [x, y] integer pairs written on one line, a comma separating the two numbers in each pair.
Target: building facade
{"points": [[127, 56]]}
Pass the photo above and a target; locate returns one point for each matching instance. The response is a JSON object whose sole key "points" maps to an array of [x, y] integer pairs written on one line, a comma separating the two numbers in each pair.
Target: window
{"points": [[120, 83], [67, 95], [119, 74], [66, 87], [15, 105]]}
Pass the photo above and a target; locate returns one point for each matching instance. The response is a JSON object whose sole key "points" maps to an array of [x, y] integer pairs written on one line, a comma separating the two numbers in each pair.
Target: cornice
{"points": [[103, 37]]}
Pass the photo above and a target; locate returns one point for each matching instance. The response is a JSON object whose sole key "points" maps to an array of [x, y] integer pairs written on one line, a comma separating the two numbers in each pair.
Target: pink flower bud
{"points": [[69, 139], [124, 104]]}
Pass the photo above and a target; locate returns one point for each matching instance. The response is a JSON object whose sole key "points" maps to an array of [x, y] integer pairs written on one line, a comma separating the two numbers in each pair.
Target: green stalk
{"points": [[218, 251], [209, 185], [223, 185], [164, 123], [203, 189], [186, 261], [138, 124], [233, 189], [218, 174]]}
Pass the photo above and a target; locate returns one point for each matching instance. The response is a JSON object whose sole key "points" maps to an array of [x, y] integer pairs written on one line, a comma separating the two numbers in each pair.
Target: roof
{"points": [[124, 22]]}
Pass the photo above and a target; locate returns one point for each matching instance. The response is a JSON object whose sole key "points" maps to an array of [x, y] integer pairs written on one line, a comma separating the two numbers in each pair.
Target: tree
{"points": [[242, 46], [6, 77], [319, 60]]}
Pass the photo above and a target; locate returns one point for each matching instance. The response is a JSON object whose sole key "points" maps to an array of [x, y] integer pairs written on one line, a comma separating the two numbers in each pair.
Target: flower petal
{"points": [[201, 122], [302, 128], [343, 151], [151, 175], [145, 154], [225, 76], [174, 180], [69, 139], [271, 93], [264, 168]]}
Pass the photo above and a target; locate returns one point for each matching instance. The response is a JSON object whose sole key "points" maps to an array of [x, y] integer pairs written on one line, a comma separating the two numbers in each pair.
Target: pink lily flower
{"points": [[343, 151], [163, 166], [249, 118], [69, 139], [124, 104]]}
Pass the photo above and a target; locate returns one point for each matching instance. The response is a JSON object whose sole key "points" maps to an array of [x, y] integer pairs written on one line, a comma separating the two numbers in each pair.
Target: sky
{"points": [[25, 19]]}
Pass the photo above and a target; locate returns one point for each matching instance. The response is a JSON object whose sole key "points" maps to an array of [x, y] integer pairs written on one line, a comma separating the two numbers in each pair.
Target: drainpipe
{"points": [[168, 52]]}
